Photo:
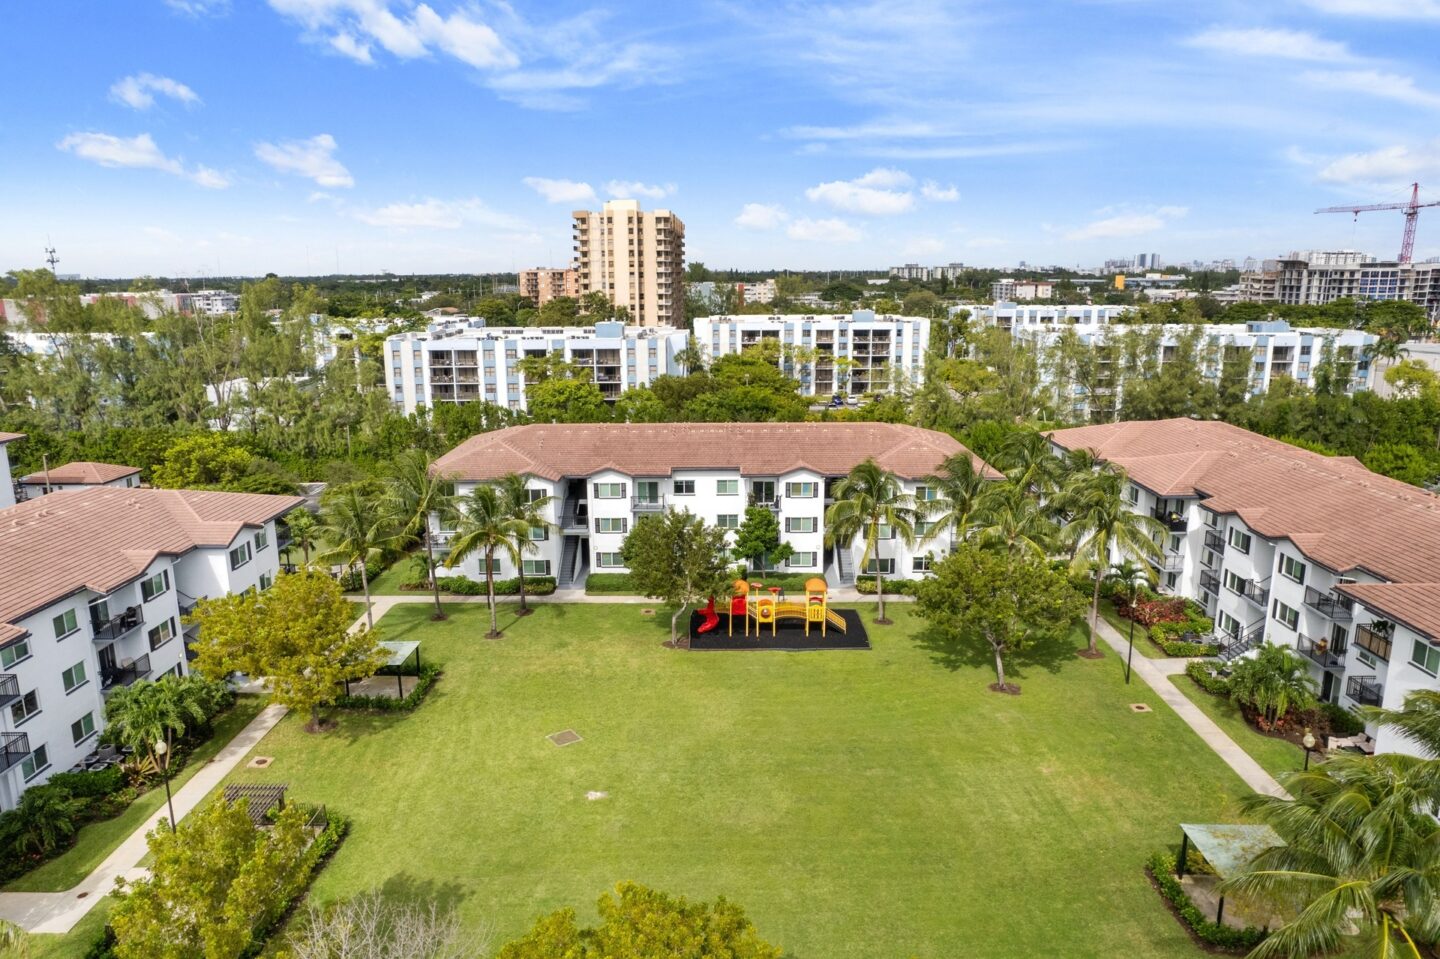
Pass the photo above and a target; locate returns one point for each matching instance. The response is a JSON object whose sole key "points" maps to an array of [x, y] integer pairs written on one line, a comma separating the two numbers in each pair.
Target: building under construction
{"points": [[1315, 278]]}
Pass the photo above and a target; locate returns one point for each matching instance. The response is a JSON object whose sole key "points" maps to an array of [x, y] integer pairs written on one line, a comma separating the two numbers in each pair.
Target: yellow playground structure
{"points": [[749, 602]]}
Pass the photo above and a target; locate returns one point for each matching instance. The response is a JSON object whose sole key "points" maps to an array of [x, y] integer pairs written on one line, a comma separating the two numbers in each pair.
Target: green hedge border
{"points": [[1161, 869], [388, 704], [465, 586]]}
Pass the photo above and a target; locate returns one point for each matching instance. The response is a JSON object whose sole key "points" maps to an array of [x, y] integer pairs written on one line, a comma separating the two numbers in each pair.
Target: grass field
{"points": [[1276, 755], [858, 804]]}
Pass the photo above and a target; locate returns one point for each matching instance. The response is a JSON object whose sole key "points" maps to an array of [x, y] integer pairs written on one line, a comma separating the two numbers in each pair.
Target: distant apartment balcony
{"points": [[107, 631], [1214, 541], [1209, 582], [9, 689], [1323, 653], [13, 748], [186, 602], [1168, 561], [647, 504], [772, 504], [125, 675], [1365, 690], [1376, 642], [1174, 522], [1255, 592], [1337, 607]]}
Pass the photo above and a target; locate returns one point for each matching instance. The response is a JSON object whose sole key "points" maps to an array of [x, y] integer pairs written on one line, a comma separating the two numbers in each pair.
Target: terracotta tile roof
{"points": [[103, 537], [10, 437], [553, 451], [1333, 509], [1417, 605], [80, 472]]}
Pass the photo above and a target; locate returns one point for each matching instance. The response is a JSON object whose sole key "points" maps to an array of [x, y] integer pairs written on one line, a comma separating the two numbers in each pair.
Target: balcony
{"points": [[1374, 641], [186, 601], [1214, 541], [107, 631], [9, 689], [13, 748], [127, 675], [1322, 653], [647, 504], [772, 503], [1174, 522], [1364, 690], [1337, 607], [1209, 582], [1256, 593], [1167, 562]]}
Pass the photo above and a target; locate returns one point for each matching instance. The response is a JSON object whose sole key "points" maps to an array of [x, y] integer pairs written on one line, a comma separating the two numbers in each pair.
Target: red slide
{"points": [[712, 618]]}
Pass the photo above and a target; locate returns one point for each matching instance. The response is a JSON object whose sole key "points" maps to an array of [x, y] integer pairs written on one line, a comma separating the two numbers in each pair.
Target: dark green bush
{"points": [[613, 583], [1179, 647], [350, 579], [1203, 675], [1161, 868], [1342, 721], [865, 586], [428, 674], [91, 784], [465, 586]]}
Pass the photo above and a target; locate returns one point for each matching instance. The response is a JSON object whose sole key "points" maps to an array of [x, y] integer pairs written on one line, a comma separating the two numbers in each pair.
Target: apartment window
{"points": [[926, 494], [24, 707], [609, 560], [65, 624], [262, 540], [885, 532], [74, 677], [1228, 624], [539, 534], [1285, 615], [920, 564], [728, 521], [1212, 519], [611, 524], [1292, 568], [239, 556], [1134, 492], [727, 487], [801, 524], [801, 560], [609, 490], [156, 585], [883, 566], [165, 632], [1234, 583], [684, 487], [800, 490], [82, 728], [1425, 656], [536, 567], [36, 763], [266, 581], [14, 653], [1209, 559], [1239, 540], [534, 495]]}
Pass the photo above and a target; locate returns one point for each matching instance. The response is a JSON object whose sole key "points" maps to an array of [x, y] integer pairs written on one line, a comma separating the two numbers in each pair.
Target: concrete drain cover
{"points": [[260, 762], [1140, 708], [595, 794], [647, 612], [564, 738]]}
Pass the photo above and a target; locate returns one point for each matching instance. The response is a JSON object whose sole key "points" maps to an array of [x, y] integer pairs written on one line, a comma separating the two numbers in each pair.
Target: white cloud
{"points": [[1386, 168], [874, 194], [560, 191], [823, 231], [923, 246], [761, 216], [139, 91], [1276, 44], [313, 159], [1381, 9], [1127, 224], [934, 192], [199, 8], [628, 189], [985, 242], [137, 152], [355, 28], [435, 214], [1373, 83]]}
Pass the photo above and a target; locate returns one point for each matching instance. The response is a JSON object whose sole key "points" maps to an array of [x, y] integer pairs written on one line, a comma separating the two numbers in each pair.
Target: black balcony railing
{"points": [[1213, 540], [1174, 521], [1337, 607], [1374, 641], [187, 602], [1255, 592], [125, 675], [1364, 690], [9, 689], [1167, 561], [771, 503], [109, 630], [1209, 581], [645, 503], [13, 748], [1322, 652]]}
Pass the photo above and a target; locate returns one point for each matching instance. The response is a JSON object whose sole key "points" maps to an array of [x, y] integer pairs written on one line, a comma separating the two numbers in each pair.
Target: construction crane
{"points": [[1412, 217]]}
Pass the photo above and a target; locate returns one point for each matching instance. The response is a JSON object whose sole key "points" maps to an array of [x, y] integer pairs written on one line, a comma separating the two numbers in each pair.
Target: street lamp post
{"points": [[1309, 743], [1130, 650], [161, 751]]}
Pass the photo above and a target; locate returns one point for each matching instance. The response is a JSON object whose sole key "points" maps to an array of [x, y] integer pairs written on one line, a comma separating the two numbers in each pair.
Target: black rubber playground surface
{"points": [[789, 634]]}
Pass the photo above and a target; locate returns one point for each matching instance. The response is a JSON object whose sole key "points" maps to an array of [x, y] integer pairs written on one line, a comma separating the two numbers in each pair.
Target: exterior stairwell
{"points": [[1232, 649], [566, 578], [843, 568]]}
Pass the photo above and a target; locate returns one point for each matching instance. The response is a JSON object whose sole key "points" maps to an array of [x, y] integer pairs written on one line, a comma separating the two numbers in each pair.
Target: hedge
{"points": [[91, 784], [465, 586], [1180, 647], [617, 583], [1342, 721], [1161, 868], [865, 586], [350, 579], [1203, 675], [389, 704]]}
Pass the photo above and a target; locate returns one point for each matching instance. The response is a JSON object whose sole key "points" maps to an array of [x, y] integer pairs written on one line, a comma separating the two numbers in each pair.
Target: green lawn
{"points": [[98, 840], [1276, 755], [77, 942], [1143, 646], [858, 804]]}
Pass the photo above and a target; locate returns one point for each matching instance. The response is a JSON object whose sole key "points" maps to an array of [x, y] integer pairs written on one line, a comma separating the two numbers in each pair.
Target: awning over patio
{"points": [[401, 651], [1228, 848]]}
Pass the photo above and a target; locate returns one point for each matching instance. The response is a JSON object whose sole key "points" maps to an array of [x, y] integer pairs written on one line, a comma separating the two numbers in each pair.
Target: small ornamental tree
{"points": [[1000, 602], [758, 538], [677, 559], [295, 634]]}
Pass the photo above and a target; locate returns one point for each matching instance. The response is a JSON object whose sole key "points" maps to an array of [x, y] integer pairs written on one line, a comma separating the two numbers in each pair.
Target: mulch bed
{"points": [[1009, 689], [789, 635], [1086, 654]]}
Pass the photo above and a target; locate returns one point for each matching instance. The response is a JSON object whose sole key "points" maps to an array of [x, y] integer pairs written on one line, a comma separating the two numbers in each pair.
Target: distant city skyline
{"points": [[220, 137]]}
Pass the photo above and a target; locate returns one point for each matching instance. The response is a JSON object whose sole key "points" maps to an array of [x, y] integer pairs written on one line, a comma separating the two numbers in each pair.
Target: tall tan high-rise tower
{"points": [[637, 259]]}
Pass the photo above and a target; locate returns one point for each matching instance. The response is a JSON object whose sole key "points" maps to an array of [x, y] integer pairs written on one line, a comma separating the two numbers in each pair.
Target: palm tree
{"points": [[1132, 577], [1010, 521], [523, 508], [960, 489], [1359, 862], [1273, 681], [360, 529], [487, 528], [1026, 457], [866, 499], [304, 531], [146, 713], [415, 494], [1101, 527]]}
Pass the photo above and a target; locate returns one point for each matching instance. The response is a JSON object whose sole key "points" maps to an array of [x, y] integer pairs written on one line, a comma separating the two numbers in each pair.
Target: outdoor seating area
{"points": [[1224, 850], [1358, 743], [396, 679]]}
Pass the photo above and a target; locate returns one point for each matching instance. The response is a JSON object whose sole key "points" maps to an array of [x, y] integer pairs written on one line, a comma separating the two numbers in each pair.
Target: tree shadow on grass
{"points": [[405, 888], [957, 654]]}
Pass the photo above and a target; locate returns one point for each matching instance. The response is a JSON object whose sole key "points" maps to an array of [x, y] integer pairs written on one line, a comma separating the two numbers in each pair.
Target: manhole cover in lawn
{"points": [[564, 738], [260, 762], [1140, 708], [647, 612]]}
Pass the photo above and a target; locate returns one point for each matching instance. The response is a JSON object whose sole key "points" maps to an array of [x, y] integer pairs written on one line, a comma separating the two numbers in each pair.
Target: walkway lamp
{"points": [[163, 758], [1309, 743]]}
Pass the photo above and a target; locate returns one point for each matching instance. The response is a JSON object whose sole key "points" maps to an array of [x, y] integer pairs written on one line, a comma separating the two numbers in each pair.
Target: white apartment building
{"points": [[853, 353], [1015, 317], [1286, 546], [77, 475], [914, 271], [636, 259], [93, 585], [601, 478], [1009, 289], [7, 489], [464, 361], [1314, 278]]}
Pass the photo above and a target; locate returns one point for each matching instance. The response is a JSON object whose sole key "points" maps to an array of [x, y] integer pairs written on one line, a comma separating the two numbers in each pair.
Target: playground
{"points": [[757, 616]]}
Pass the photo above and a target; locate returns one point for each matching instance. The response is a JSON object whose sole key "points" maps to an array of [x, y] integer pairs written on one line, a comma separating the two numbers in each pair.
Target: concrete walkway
{"points": [[58, 912]]}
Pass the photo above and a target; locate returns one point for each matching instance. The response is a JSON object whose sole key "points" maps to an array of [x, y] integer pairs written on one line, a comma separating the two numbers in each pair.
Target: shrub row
{"points": [[1161, 868], [865, 586], [1180, 647], [350, 579], [388, 704], [1203, 675], [465, 586], [1342, 721], [613, 583]]}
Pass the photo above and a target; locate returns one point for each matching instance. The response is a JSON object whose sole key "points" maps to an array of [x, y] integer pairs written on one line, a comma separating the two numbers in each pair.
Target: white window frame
{"points": [[1289, 563], [535, 567], [607, 490], [1236, 536], [147, 584], [65, 623], [920, 564], [243, 548], [1285, 614], [875, 564], [799, 524], [261, 540], [734, 519], [796, 490], [84, 733], [6, 653], [30, 768], [1421, 648], [809, 557], [165, 630], [727, 487], [684, 487], [602, 563]]}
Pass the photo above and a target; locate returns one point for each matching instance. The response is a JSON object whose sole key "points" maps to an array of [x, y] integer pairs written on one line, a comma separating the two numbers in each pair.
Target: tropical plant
{"points": [[523, 507], [1011, 522], [304, 531], [1028, 460], [358, 526], [14, 943], [865, 500], [487, 528], [959, 494], [144, 714], [1130, 578], [415, 494], [1272, 682], [45, 817]]}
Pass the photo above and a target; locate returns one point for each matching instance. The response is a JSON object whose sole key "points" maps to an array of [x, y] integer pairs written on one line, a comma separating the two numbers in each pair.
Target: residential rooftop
{"points": [[103, 537], [555, 451], [1334, 510], [10, 437], [79, 473], [1417, 605]]}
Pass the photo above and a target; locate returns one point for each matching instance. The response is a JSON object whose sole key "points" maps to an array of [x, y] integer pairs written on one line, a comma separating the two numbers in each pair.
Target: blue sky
{"points": [[195, 137]]}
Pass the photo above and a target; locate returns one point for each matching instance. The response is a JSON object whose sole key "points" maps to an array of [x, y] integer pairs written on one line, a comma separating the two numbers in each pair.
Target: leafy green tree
{"points": [[566, 400], [560, 311], [214, 884], [354, 521], [675, 558], [296, 634], [45, 817], [641, 923], [1412, 378], [202, 460], [1403, 462], [922, 303], [866, 500], [524, 508], [145, 713], [758, 538], [1273, 682], [1003, 603], [486, 527], [415, 494]]}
